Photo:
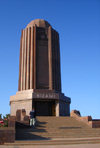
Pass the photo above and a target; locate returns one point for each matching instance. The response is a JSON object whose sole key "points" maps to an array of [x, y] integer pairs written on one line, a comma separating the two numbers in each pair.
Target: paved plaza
{"points": [[55, 146]]}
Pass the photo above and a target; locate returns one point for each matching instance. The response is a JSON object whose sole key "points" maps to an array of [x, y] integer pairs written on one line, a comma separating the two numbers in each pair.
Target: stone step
{"points": [[56, 141], [53, 127]]}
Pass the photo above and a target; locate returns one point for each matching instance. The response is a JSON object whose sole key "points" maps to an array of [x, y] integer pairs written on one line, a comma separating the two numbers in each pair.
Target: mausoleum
{"points": [[40, 73]]}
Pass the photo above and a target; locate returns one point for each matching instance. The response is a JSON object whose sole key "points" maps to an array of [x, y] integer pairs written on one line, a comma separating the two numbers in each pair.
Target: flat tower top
{"points": [[39, 23]]}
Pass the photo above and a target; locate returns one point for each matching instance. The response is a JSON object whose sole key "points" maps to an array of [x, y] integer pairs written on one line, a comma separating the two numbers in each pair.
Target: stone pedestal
{"points": [[58, 104]]}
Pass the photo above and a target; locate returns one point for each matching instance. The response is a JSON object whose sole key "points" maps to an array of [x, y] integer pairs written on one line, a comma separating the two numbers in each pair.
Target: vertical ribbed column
{"points": [[20, 63], [53, 84], [31, 60], [28, 53], [24, 62], [59, 66], [54, 79], [56, 72], [50, 56], [22, 74], [57, 62], [34, 57]]}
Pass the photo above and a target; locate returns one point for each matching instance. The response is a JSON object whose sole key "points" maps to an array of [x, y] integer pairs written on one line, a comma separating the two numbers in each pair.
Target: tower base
{"points": [[45, 103]]}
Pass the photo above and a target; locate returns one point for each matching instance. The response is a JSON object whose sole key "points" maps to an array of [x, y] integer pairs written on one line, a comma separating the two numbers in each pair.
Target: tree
{"points": [[6, 116], [0, 116]]}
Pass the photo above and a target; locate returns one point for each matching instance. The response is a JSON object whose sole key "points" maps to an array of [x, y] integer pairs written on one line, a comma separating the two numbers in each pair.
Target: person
{"points": [[32, 118]]}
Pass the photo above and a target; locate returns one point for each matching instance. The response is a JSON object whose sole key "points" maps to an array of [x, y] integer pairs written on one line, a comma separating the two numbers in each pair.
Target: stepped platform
{"points": [[56, 131], [56, 142], [56, 127]]}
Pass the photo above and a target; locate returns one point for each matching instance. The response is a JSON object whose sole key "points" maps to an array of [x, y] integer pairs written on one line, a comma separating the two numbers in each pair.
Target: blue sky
{"points": [[78, 24]]}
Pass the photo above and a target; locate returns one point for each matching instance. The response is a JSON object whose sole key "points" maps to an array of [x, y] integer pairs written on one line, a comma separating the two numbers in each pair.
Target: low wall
{"points": [[12, 121], [87, 119], [95, 123], [7, 134]]}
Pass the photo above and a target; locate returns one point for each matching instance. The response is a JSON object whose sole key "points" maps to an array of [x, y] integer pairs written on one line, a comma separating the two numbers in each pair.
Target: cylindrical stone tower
{"points": [[39, 57], [39, 72]]}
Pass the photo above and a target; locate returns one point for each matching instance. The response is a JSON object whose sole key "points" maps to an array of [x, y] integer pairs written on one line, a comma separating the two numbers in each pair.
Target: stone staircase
{"points": [[48, 128]]}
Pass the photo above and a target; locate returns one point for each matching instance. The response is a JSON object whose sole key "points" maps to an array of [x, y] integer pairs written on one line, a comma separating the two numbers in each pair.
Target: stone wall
{"points": [[95, 123], [87, 119], [7, 134], [25, 104]]}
